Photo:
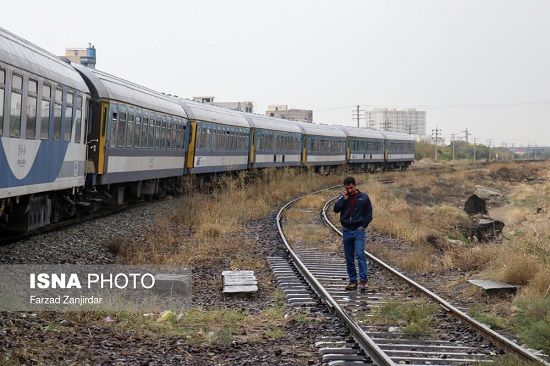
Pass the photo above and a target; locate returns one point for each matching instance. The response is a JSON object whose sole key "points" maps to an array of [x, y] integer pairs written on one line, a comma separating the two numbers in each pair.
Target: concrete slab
{"points": [[491, 287], [239, 289], [239, 282]]}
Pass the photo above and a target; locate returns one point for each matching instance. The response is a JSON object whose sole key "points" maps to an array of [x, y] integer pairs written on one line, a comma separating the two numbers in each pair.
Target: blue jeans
{"points": [[354, 246]]}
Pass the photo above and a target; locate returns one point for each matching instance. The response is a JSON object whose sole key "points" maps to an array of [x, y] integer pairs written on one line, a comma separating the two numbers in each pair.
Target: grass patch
{"points": [[493, 321], [275, 333], [414, 317], [532, 322]]}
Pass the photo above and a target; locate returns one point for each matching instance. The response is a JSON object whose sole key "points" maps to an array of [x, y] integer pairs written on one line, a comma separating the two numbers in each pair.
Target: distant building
{"points": [[208, 100], [245, 106], [282, 111], [84, 56], [408, 121]]}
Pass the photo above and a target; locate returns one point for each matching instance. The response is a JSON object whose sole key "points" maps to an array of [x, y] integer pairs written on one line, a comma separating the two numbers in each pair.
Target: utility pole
{"points": [[475, 141], [513, 152], [504, 151], [489, 145], [437, 131], [466, 135], [453, 144], [356, 114]]}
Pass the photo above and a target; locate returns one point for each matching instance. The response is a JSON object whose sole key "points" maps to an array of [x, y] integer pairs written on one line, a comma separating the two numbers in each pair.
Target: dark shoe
{"points": [[351, 286], [363, 284]]}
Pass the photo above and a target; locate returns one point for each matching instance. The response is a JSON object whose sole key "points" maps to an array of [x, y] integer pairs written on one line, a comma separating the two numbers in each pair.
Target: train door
{"points": [[96, 135]]}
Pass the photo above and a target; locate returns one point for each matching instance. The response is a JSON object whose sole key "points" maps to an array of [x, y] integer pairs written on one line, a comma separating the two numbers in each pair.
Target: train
{"points": [[74, 139]]}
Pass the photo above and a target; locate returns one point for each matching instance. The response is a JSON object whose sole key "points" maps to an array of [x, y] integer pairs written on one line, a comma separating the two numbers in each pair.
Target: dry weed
{"points": [[519, 269], [419, 260]]}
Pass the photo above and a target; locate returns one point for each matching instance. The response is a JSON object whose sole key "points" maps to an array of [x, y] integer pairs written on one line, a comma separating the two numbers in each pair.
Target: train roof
{"points": [[24, 55], [211, 113], [104, 85], [390, 135], [362, 132], [270, 123], [321, 130]]}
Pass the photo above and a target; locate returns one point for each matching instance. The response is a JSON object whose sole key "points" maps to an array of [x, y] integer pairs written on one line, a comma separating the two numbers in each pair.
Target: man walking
{"points": [[355, 211]]}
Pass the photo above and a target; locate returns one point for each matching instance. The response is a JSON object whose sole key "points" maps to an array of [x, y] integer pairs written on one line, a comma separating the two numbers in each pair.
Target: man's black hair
{"points": [[349, 180]]}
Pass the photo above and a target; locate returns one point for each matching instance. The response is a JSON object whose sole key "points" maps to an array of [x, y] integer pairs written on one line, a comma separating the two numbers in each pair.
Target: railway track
{"points": [[443, 335]]}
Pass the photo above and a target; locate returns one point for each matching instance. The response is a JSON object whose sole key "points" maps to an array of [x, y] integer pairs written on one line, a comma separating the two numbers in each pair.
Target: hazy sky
{"points": [[481, 65]]}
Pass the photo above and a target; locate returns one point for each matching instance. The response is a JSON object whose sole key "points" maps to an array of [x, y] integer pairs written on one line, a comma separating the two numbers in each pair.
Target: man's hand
{"points": [[345, 194]]}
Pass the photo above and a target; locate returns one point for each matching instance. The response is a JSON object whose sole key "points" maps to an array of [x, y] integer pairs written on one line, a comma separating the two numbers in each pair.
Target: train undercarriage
{"points": [[34, 211]]}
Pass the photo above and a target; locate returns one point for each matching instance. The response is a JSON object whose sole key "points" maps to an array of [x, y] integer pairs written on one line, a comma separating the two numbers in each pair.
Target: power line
{"points": [[444, 106]]}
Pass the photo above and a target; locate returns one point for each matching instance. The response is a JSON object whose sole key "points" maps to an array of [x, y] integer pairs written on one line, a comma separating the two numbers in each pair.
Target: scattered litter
{"points": [[108, 319], [165, 316], [65, 323]]}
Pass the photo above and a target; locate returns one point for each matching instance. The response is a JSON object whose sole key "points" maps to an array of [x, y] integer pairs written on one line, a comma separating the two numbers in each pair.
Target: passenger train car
{"points": [[43, 102], [73, 139]]}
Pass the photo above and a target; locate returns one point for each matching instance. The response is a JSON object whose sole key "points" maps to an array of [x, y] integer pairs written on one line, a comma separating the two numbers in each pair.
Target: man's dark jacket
{"points": [[361, 215]]}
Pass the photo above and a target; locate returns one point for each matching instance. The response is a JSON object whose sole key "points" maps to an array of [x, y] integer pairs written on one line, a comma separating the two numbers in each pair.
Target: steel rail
{"points": [[501, 341], [363, 340]]}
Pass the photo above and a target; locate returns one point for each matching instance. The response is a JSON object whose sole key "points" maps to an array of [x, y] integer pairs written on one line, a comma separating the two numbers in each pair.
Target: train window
{"points": [[121, 137], [68, 118], [17, 82], [114, 122], [144, 132], [151, 138], [78, 119], [31, 117], [33, 87], [163, 135], [137, 132], [202, 138], [57, 114], [177, 132], [157, 134], [16, 105], [130, 130], [2, 81], [175, 135], [169, 135], [210, 139]]}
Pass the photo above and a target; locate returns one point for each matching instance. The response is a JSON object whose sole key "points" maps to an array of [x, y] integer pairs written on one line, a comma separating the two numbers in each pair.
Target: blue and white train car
{"points": [[399, 149], [275, 142], [220, 139], [42, 140], [365, 147], [322, 145], [138, 137]]}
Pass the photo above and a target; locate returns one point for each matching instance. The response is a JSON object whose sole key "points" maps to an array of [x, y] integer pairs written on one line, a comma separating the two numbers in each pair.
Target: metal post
{"points": [[453, 144], [475, 141], [436, 131]]}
